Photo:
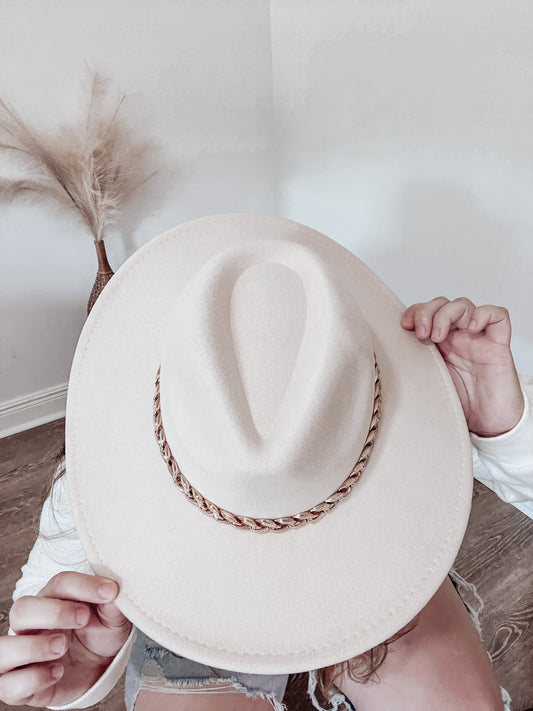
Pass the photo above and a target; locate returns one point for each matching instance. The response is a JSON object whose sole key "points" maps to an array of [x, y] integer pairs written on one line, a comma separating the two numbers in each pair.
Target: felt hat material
{"points": [[265, 332]]}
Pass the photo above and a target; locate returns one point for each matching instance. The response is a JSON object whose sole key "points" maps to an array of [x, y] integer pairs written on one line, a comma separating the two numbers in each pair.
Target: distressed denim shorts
{"points": [[153, 668]]}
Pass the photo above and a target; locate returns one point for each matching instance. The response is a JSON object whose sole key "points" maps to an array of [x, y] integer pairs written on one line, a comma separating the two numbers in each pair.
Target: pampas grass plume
{"points": [[92, 165]]}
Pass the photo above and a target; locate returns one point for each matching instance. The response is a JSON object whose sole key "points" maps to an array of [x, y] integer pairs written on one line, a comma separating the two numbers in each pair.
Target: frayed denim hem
{"points": [[154, 668], [209, 685], [334, 702]]}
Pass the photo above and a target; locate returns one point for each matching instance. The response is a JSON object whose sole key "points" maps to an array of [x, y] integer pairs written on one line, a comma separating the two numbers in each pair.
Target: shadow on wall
{"points": [[446, 243], [446, 239], [153, 195]]}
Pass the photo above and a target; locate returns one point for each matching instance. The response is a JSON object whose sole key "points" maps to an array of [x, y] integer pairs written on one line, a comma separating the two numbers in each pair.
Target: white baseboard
{"points": [[32, 410]]}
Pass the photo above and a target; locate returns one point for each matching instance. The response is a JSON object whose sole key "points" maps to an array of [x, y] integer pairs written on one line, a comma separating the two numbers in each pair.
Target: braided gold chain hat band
{"points": [[264, 525]]}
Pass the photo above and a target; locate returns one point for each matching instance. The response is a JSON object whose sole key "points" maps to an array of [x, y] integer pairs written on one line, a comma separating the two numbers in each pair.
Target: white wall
{"points": [[400, 129], [406, 133], [200, 74]]}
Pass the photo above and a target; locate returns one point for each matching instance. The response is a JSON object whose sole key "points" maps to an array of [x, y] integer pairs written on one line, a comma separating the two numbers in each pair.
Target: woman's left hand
{"points": [[475, 344]]}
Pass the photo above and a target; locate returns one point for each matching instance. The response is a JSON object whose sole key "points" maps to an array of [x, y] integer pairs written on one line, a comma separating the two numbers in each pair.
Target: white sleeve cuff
{"points": [[514, 447], [106, 682], [505, 463]]}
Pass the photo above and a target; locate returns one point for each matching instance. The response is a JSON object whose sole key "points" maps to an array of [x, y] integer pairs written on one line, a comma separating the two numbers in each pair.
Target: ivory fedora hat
{"points": [[276, 473]]}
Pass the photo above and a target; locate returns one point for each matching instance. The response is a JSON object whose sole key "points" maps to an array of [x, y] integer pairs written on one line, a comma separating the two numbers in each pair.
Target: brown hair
{"points": [[360, 669], [58, 471]]}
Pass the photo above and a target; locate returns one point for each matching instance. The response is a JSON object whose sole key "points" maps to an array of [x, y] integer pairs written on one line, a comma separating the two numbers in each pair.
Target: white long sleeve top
{"points": [[504, 463]]}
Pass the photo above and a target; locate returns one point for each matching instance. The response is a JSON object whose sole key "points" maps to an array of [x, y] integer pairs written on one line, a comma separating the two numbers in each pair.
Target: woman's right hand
{"points": [[66, 637]]}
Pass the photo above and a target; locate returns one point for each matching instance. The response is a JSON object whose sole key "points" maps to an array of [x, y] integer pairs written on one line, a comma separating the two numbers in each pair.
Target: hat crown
{"points": [[266, 356]]}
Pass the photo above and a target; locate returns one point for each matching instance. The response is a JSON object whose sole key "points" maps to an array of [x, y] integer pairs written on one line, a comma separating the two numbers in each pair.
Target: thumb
{"points": [[110, 616]]}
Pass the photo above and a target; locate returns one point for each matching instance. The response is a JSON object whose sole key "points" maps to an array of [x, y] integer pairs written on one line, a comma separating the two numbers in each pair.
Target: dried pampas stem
{"points": [[92, 166], [103, 276]]}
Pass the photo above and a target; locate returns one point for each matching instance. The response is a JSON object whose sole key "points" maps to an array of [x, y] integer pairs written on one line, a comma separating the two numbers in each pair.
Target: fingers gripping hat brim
{"points": [[276, 602]]}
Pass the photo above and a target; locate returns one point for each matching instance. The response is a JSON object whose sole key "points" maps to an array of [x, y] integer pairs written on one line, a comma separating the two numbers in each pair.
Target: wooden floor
{"points": [[496, 555]]}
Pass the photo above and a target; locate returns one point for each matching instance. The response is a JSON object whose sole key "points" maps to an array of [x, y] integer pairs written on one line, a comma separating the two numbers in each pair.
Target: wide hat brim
{"points": [[260, 603]]}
